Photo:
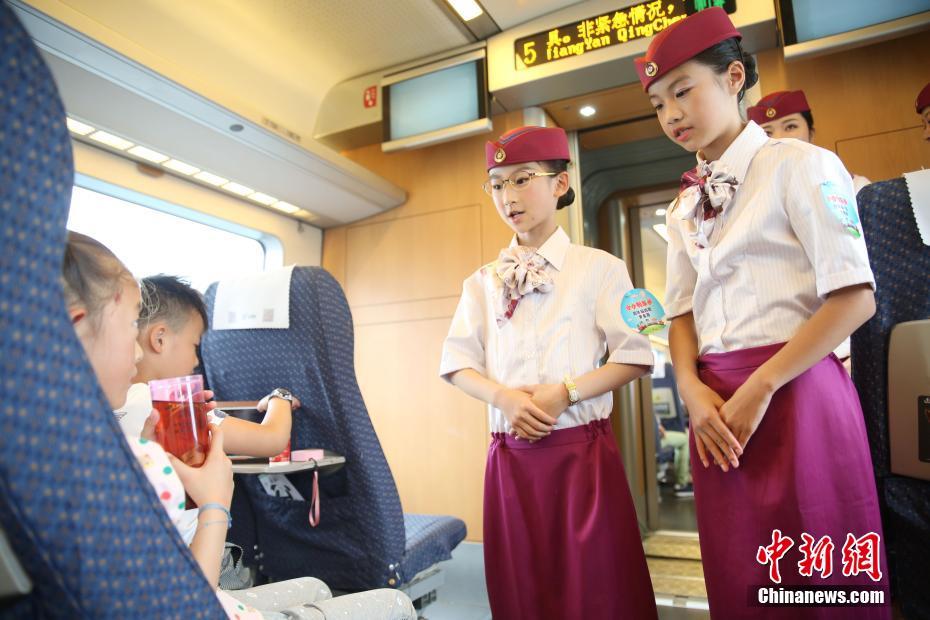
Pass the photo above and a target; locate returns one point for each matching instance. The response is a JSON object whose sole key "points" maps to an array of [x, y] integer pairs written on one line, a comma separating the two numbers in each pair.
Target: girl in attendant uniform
{"points": [[767, 274], [531, 329], [786, 114]]}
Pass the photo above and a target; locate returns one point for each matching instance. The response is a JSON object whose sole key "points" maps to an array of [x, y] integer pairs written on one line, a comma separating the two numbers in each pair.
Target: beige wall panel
{"points": [[902, 151], [434, 436], [412, 258], [334, 254], [857, 94], [435, 178], [401, 312]]}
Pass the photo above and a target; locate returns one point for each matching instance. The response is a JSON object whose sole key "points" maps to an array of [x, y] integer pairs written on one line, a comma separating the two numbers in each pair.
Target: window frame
{"points": [[272, 246]]}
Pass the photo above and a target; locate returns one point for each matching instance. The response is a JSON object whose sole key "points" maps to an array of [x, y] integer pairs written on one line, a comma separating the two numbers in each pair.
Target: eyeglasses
{"points": [[518, 181]]}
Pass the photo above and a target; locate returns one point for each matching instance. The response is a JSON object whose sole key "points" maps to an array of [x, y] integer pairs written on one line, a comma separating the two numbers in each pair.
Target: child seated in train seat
{"points": [[103, 301], [172, 321]]}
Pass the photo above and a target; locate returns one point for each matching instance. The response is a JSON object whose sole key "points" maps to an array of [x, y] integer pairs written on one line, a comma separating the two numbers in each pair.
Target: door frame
{"points": [[633, 412]]}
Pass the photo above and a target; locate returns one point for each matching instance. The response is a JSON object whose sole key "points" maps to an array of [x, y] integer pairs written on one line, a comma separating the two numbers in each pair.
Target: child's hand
{"points": [[148, 427], [710, 431], [745, 409], [210, 404], [212, 482], [526, 419], [550, 397]]}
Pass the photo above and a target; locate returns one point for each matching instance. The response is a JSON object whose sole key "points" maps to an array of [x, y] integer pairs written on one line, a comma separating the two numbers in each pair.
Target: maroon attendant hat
{"points": [[682, 41], [526, 144], [778, 104], [923, 99]]}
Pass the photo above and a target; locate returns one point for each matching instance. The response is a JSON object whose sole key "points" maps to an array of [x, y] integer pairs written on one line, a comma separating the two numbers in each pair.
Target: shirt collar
{"points": [[554, 249], [739, 154]]}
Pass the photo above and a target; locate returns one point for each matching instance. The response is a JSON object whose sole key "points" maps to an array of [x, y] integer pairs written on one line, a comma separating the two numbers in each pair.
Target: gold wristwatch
{"points": [[573, 396]]}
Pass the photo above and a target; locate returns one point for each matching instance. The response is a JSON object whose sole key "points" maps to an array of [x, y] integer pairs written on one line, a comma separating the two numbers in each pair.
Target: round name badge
{"points": [[842, 206], [642, 311]]}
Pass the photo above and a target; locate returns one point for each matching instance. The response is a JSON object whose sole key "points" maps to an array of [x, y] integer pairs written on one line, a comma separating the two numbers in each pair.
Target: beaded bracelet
{"points": [[215, 506]]}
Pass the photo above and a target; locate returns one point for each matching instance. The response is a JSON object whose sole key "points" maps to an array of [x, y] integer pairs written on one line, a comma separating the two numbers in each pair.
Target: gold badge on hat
{"points": [[651, 69], [770, 113], [500, 155]]}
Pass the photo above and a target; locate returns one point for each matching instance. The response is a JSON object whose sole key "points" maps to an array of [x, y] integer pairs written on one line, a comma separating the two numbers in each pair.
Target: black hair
{"points": [[560, 165], [809, 118], [719, 57], [170, 299], [91, 274]]}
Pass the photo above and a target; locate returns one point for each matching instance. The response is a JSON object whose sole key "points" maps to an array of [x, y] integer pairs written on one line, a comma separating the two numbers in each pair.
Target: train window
{"points": [[150, 241]]}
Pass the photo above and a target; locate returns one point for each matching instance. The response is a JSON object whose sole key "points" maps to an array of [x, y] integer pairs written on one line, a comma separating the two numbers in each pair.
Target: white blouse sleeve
{"points": [[680, 274], [133, 414], [838, 257], [625, 345], [859, 182], [464, 345]]}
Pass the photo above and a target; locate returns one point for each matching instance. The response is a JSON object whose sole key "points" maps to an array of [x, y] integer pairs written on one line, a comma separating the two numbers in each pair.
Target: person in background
{"points": [[678, 441], [786, 114], [922, 105]]}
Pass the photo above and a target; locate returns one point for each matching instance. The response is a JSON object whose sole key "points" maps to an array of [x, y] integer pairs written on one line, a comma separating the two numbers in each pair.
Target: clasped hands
{"points": [[723, 428], [532, 410]]}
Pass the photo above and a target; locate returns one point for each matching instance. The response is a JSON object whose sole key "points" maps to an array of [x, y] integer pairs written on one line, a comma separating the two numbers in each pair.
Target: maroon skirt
{"points": [[561, 538], [807, 469]]}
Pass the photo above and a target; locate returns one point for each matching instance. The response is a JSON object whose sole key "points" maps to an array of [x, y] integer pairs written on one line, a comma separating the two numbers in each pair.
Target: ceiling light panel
{"points": [[467, 9], [110, 140], [180, 166], [148, 154], [212, 179], [79, 128], [238, 189]]}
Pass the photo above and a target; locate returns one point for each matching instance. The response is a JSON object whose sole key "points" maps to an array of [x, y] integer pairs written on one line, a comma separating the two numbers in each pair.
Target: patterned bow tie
{"points": [[519, 271], [705, 192]]}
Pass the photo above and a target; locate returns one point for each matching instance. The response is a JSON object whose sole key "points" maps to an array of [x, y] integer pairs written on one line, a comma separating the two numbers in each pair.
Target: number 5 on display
{"points": [[529, 53]]}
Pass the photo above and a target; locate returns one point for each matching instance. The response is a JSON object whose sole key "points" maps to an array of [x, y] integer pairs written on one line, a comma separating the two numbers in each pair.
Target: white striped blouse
{"points": [[776, 251], [566, 331]]}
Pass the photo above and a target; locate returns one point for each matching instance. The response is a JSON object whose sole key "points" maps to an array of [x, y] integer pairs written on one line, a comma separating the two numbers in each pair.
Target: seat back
{"points": [[901, 264], [79, 513], [360, 540]]}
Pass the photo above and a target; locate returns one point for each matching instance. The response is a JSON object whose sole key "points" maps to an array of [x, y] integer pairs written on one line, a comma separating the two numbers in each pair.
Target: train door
{"points": [[627, 188]]}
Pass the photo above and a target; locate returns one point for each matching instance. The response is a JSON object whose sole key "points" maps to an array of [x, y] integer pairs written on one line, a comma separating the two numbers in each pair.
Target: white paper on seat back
{"points": [[918, 186], [259, 301]]}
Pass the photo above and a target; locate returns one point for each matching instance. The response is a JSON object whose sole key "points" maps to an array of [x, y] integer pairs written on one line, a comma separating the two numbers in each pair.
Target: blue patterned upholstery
{"points": [[79, 512], [361, 541], [901, 263], [430, 539]]}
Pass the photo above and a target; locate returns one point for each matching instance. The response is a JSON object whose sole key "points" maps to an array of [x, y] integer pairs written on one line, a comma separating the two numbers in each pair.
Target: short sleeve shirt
{"points": [[566, 331], [777, 250]]}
